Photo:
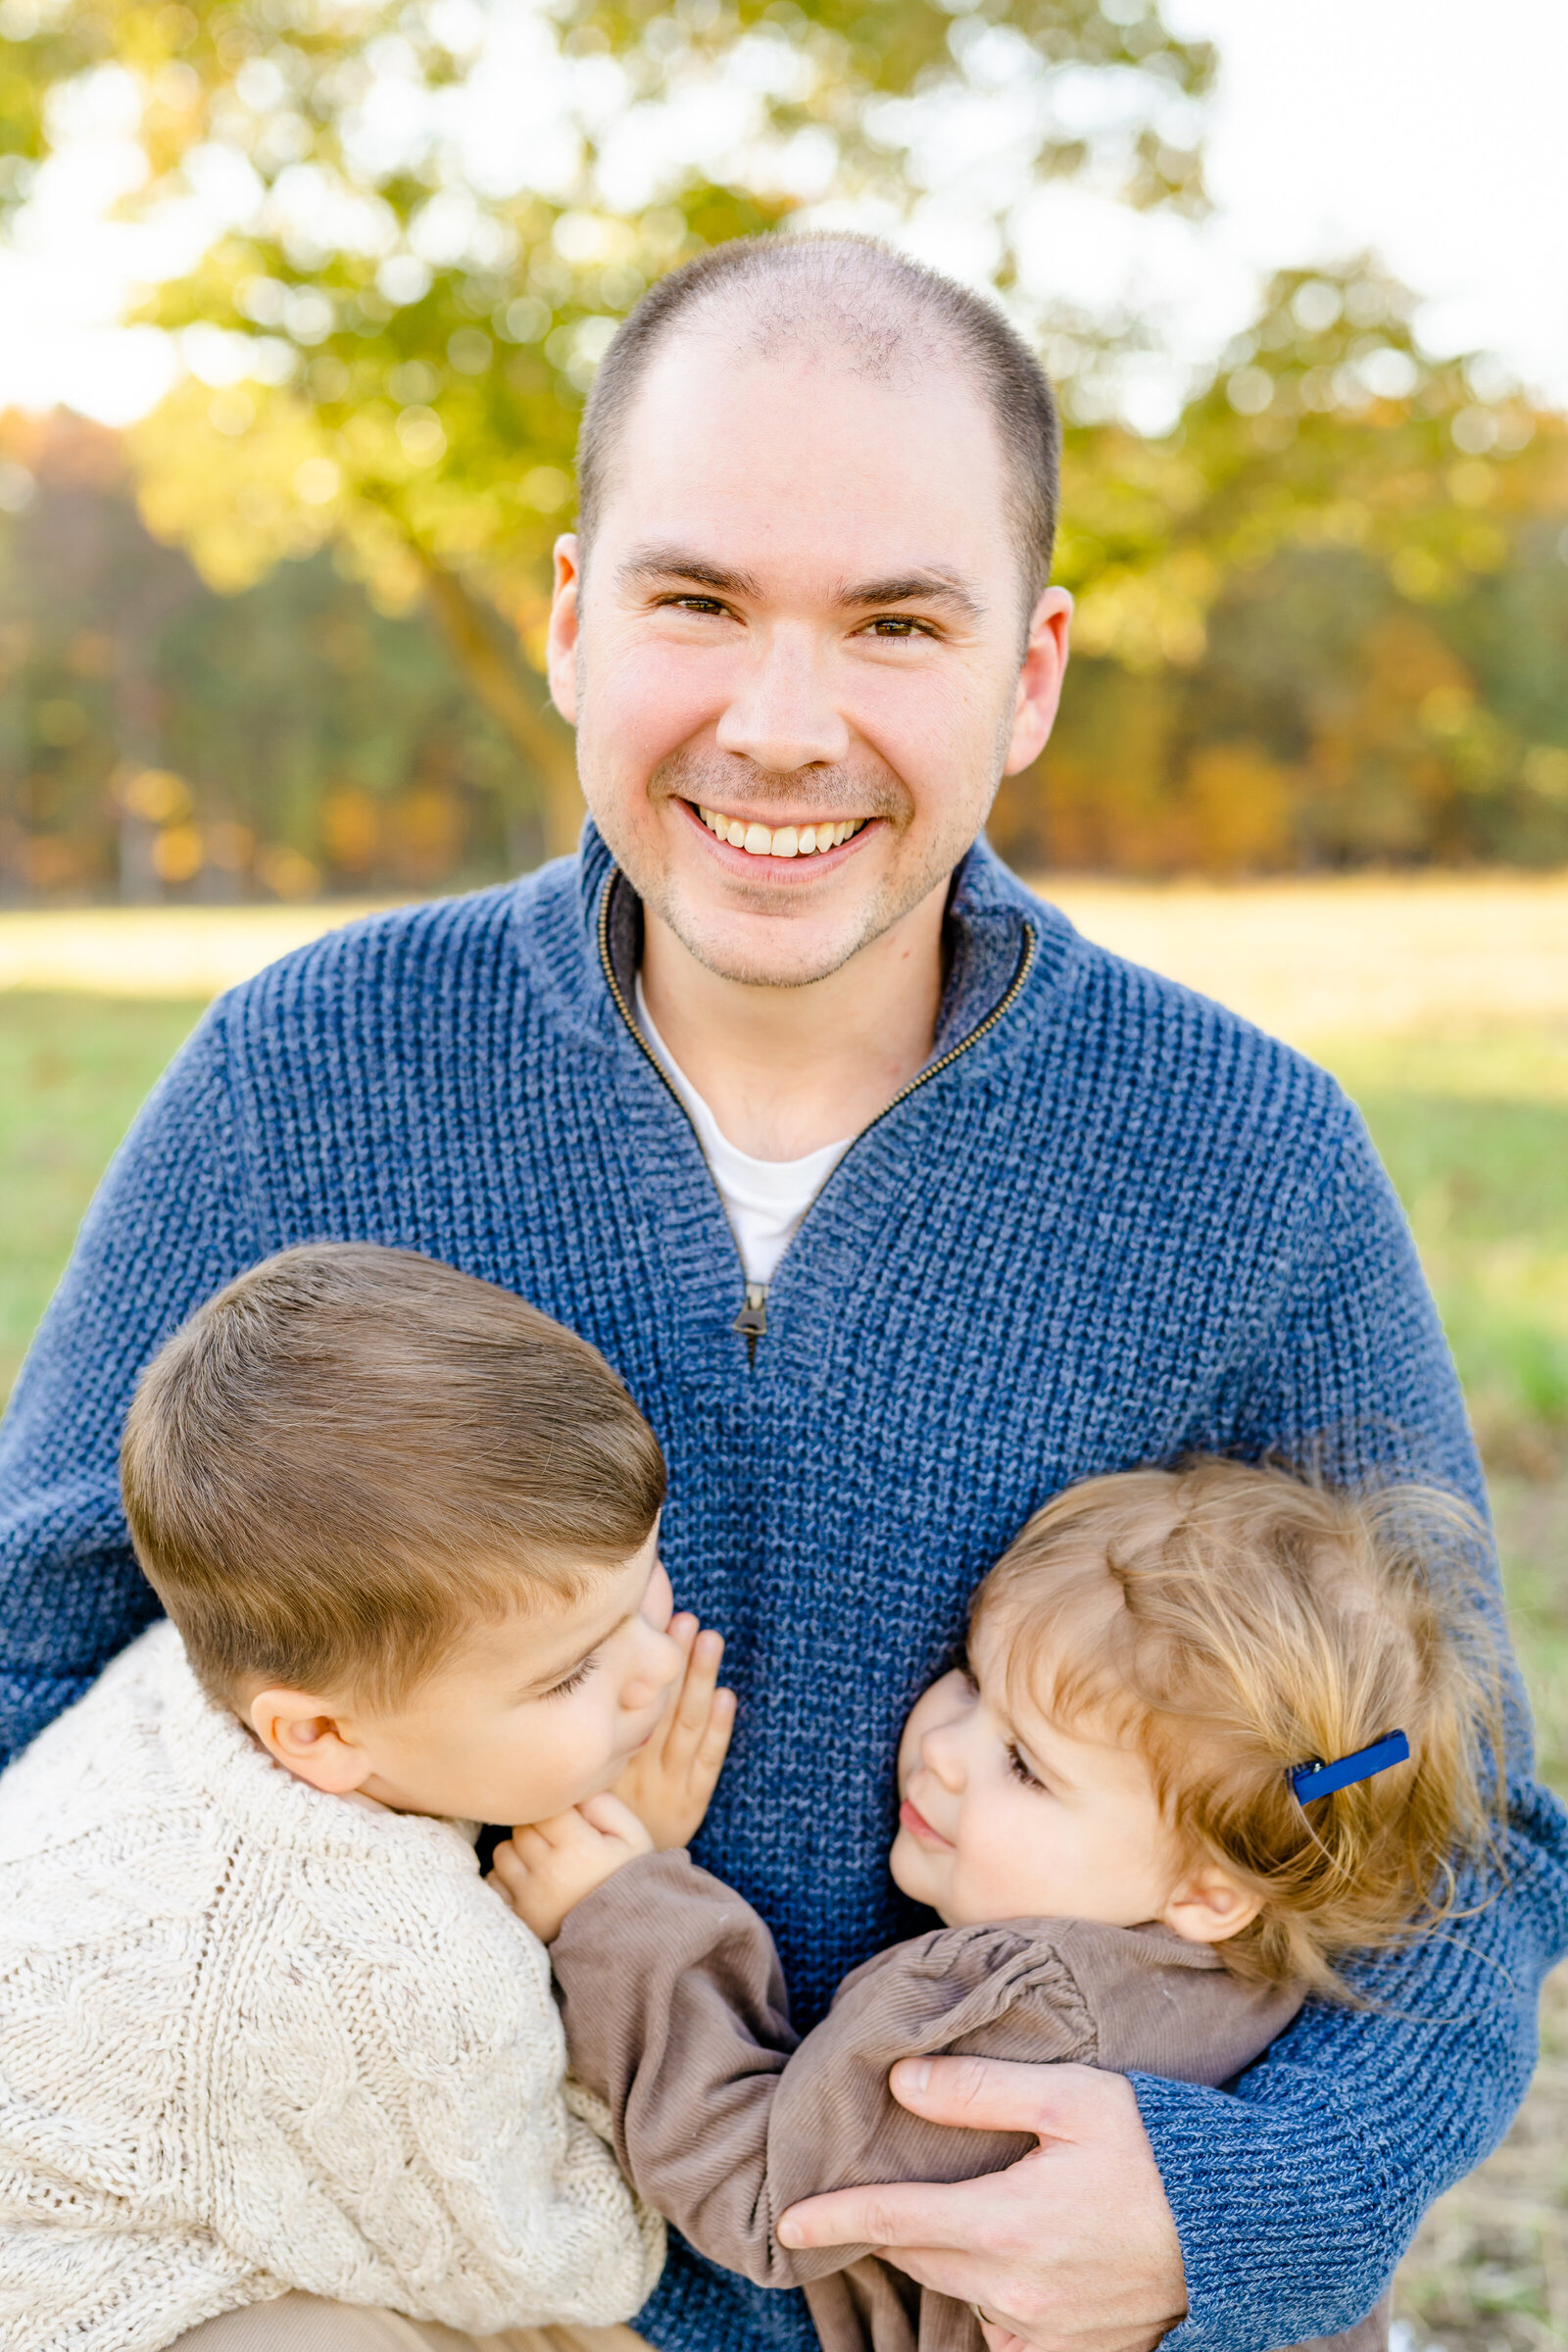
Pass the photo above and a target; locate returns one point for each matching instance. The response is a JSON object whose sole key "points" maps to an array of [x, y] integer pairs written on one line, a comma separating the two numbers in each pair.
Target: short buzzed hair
{"points": [[353, 1456], [875, 304]]}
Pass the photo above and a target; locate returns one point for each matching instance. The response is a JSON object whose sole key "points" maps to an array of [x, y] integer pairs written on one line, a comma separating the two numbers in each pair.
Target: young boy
{"points": [[1120, 1807], [265, 2029]]}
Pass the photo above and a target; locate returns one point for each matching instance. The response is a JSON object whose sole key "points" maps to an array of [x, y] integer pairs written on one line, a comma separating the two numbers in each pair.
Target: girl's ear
{"points": [[310, 1739], [1208, 1907]]}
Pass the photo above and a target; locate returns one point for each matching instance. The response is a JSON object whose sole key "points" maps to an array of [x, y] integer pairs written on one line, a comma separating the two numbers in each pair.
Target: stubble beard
{"points": [[798, 947]]}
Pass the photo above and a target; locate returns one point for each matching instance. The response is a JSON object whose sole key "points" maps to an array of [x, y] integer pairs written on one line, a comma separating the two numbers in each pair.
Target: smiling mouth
{"points": [[781, 841]]}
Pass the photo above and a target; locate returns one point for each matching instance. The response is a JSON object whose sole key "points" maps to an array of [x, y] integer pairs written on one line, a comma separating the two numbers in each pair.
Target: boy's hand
{"points": [[545, 1869], [670, 1783]]}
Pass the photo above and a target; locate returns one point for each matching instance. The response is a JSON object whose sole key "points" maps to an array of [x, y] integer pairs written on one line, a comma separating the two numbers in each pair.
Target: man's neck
{"points": [[786, 1070]]}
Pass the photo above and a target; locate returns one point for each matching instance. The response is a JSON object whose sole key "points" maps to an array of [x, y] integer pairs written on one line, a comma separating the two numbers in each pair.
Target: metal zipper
{"points": [[1014, 989], [752, 1321]]}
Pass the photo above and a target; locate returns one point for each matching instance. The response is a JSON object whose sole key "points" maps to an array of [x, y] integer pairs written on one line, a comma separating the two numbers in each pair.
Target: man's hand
{"points": [[1071, 2250], [547, 1868], [670, 1783]]}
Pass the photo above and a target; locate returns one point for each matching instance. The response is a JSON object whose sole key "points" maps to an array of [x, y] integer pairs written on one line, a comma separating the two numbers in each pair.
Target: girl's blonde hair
{"points": [[1233, 1622]]}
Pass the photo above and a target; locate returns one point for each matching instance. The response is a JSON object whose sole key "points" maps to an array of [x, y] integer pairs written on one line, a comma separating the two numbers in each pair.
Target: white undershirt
{"points": [[765, 1199]]}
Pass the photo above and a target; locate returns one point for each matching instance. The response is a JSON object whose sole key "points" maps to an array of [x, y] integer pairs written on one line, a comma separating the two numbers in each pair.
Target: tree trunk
{"points": [[499, 680]]}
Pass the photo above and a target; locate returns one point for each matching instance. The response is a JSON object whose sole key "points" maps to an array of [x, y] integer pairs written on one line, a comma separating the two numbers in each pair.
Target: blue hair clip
{"points": [[1321, 1780]]}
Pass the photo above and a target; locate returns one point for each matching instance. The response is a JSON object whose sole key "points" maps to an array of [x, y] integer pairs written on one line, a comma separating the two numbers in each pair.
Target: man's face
{"points": [[794, 663]]}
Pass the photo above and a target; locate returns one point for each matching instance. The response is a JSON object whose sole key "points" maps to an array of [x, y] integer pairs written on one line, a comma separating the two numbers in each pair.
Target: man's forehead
{"points": [[744, 460]]}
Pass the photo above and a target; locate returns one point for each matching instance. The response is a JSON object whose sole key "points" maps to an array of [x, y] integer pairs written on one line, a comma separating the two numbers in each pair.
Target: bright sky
{"points": [[1433, 129], [1429, 129]]}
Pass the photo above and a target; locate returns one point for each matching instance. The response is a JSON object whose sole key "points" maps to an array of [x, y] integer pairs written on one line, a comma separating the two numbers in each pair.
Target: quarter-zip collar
{"points": [[998, 941]]}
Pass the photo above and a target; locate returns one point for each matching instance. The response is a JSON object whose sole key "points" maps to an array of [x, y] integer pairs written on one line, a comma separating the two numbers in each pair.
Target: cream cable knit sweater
{"points": [[253, 2039]]}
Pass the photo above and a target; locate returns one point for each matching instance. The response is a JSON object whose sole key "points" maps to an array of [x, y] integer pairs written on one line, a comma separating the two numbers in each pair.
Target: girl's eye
{"points": [[574, 1680], [1020, 1770]]}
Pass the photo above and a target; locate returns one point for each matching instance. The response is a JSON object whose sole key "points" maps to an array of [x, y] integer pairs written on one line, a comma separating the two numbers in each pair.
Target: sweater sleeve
{"points": [[1294, 2199], [675, 2015], [164, 1231], [389, 2118]]}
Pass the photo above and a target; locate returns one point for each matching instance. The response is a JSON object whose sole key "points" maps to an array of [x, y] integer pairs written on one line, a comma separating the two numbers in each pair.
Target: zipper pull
{"points": [[752, 1321]]}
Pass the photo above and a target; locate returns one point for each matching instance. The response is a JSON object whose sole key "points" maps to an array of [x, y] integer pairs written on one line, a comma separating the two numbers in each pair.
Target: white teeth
{"points": [[790, 840]]}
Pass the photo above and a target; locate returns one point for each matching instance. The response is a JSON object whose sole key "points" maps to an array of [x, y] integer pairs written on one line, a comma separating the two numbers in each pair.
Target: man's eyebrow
{"points": [[680, 564], [915, 588]]}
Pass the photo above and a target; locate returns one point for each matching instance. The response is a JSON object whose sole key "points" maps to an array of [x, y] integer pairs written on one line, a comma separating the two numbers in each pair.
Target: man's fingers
{"points": [[996, 2094], [897, 2213]]}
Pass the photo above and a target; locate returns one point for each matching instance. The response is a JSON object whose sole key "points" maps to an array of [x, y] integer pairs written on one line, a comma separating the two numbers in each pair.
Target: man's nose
{"points": [[783, 715]]}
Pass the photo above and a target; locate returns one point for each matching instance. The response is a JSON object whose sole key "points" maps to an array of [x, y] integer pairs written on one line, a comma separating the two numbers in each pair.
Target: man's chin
{"points": [[779, 946]]}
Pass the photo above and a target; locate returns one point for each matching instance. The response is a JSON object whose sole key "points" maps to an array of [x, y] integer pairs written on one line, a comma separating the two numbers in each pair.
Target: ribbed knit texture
{"points": [[1120, 1224], [259, 2039]]}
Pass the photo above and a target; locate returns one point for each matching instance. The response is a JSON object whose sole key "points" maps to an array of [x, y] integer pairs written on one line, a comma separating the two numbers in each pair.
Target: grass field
{"points": [[1444, 1009]]}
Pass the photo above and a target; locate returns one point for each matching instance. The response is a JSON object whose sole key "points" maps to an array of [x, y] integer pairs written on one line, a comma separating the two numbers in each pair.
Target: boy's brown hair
{"points": [[352, 1454], [1233, 1622]]}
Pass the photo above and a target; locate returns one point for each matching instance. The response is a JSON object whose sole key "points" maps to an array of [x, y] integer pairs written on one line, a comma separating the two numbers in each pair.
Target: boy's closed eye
{"points": [[574, 1680]]}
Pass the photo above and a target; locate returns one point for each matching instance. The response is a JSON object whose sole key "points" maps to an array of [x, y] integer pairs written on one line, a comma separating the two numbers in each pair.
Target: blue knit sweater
{"points": [[1107, 1223]]}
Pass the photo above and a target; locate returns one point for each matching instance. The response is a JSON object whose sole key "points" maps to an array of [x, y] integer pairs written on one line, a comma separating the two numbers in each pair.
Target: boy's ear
{"points": [[1209, 1907], [309, 1740]]}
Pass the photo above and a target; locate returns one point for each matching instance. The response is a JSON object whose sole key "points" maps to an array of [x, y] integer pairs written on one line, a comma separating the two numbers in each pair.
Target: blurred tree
{"points": [[159, 741], [1323, 621], [430, 215]]}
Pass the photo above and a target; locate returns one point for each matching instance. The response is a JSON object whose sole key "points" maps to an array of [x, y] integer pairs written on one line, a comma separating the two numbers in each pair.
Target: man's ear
{"points": [[562, 658], [1045, 666], [310, 1739], [1209, 1907]]}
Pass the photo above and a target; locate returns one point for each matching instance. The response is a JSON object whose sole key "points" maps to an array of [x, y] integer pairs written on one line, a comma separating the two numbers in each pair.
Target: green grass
{"points": [[73, 1072], [1475, 1134]]}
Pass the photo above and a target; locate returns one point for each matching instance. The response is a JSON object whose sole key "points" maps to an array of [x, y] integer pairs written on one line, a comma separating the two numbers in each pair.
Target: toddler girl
{"points": [[1217, 1731]]}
